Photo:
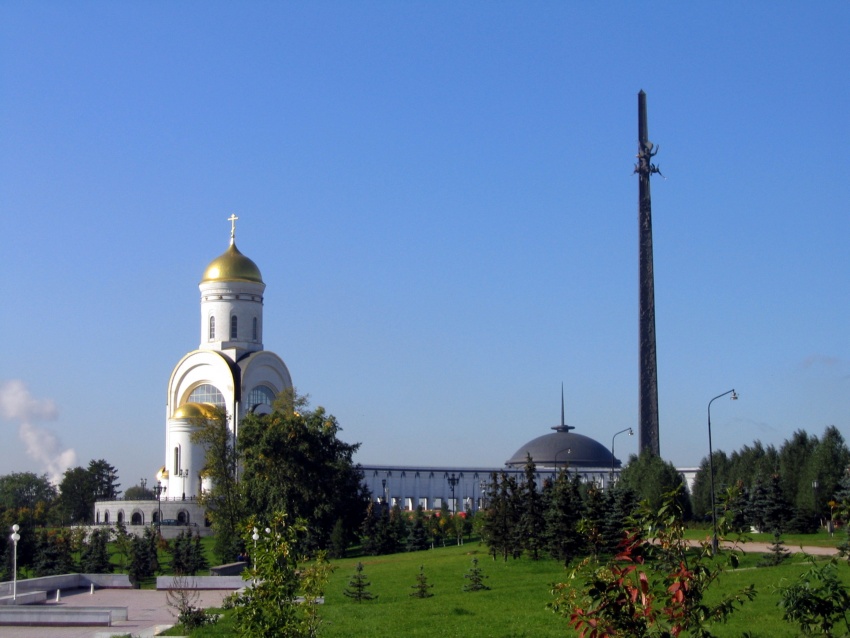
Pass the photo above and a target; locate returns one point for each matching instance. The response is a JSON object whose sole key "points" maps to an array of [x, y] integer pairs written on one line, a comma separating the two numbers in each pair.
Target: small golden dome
{"points": [[195, 411], [232, 266]]}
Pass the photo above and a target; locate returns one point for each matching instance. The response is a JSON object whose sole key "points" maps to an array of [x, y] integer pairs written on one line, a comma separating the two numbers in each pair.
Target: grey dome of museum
{"points": [[563, 448]]}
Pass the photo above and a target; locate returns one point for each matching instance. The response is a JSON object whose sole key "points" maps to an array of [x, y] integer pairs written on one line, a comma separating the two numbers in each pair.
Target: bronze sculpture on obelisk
{"points": [[648, 382]]}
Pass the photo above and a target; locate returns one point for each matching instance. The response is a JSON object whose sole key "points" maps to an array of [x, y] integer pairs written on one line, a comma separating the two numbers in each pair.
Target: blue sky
{"points": [[440, 198]]}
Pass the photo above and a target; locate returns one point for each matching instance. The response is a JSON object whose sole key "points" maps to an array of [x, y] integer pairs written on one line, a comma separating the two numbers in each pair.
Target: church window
{"points": [[233, 327], [260, 395], [255, 328], [212, 328], [207, 393], [177, 459]]}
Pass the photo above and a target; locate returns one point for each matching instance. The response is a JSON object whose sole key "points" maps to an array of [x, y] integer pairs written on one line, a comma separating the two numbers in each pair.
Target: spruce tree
{"points": [[417, 539], [359, 586], [564, 511], [421, 588], [397, 530], [531, 525], [94, 557], [778, 553], [476, 578]]}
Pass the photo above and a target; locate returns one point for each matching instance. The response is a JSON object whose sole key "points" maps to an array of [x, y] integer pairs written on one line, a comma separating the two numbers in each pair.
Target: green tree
{"points": [[656, 586], [294, 462], [123, 544], [476, 578], [621, 502], [104, 479], [52, 554], [563, 514], [499, 529], [826, 465], [77, 495], [138, 493], [531, 524], [794, 458], [421, 589], [818, 601], [417, 538], [651, 478], [224, 501], [268, 607], [144, 561], [25, 490], [397, 531], [701, 497], [358, 586], [94, 558]]}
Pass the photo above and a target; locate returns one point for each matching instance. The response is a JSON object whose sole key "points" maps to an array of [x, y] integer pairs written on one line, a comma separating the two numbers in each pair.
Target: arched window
{"points": [[255, 328], [233, 327], [207, 393], [120, 517], [106, 516], [212, 328], [260, 395], [177, 459]]}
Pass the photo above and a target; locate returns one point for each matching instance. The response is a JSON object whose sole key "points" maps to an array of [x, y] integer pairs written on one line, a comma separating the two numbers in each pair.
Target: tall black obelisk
{"points": [[648, 431]]}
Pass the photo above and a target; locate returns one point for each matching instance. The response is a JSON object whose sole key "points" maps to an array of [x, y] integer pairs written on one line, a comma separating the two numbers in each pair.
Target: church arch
{"points": [[120, 517], [137, 518], [182, 517], [260, 395], [106, 516], [206, 393]]}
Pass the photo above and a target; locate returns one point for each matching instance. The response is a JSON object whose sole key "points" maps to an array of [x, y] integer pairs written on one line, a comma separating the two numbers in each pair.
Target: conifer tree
{"points": [[417, 539], [397, 530], [421, 588], [359, 586], [531, 525], [778, 553], [564, 511], [476, 578], [94, 558]]}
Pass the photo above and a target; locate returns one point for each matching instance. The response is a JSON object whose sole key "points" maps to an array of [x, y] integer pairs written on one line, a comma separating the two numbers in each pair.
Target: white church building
{"points": [[231, 370]]}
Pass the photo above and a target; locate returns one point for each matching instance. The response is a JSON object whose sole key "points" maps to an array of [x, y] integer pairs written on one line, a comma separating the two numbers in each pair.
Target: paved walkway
{"points": [[764, 548], [147, 613]]}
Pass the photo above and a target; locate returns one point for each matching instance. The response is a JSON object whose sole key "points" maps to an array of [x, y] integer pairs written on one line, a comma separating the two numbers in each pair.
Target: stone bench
{"points": [[24, 598], [230, 569], [39, 615]]}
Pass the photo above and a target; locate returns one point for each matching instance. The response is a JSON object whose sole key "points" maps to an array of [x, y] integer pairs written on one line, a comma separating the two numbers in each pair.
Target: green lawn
{"points": [[515, 606]]}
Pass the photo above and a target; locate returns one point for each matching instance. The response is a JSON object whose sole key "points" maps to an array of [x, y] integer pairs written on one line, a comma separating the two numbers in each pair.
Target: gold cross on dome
{"points": [[232, 219]]}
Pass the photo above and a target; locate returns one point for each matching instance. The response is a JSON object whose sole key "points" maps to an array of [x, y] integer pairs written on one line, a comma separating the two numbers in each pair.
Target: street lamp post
{"points": [[256, 537], [15, 538], [714, 545], [453, 481], [631, 433], [815, 486], [158, 490]]}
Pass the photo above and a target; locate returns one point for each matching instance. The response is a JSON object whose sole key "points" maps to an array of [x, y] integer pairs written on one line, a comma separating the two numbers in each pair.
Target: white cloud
{"points": [[42, 445]]}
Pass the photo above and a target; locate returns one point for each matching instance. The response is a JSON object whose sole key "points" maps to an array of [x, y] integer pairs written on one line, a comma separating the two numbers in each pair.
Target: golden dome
{"points": [[195, 411], [232, 266]]}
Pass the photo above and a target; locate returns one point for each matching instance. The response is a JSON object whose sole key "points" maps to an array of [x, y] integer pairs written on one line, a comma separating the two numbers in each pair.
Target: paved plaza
{"points": [[147, 613]]}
